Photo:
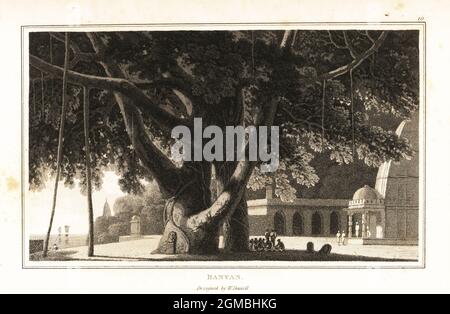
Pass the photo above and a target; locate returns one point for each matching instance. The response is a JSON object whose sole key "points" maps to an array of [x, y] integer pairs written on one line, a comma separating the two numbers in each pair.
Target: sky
{"points": [[71, 206]]}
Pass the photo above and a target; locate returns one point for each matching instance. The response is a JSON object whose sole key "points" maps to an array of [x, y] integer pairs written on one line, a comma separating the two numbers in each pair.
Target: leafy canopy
{"points": [[227, 78]]}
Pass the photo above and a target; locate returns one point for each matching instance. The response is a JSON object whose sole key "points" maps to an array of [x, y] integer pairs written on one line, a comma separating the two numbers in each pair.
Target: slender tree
{"points": [[60, 143], [322, 88], [88, 171]]}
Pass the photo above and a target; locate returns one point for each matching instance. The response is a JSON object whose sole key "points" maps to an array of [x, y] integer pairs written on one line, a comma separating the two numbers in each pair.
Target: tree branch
{"points": [[83, 56], [75, 48], [78, 54], [355, 63], [156, 162], [99, 82], [163, 118], [334, 42], [349, 47], [130, 98], [226, 202], [369, 36], [285, 39], [167, 82]]}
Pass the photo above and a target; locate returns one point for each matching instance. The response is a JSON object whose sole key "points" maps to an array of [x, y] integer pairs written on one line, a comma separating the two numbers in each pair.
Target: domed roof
{"points": [[366, 193]]}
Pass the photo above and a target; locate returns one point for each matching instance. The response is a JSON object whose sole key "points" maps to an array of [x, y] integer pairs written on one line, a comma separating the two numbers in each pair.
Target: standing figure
{"points": [[357, 229], [226, 229], [343, 238], [250, 242], [273, 237], [338, 237], [267, 235]]}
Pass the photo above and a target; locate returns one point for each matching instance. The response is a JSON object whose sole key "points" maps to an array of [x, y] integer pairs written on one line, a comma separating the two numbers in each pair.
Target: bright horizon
{"points": [[71, 206]]}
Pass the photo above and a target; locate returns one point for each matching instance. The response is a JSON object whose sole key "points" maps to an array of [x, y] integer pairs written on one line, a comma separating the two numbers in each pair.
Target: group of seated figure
{"points": [[268, 243]]}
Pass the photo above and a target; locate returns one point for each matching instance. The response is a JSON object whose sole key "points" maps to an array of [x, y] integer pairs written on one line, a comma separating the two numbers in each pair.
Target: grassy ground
{"points": [[139, 250]]}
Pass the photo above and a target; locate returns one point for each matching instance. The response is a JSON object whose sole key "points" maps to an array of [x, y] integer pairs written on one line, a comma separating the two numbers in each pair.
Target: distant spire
{"points": [[106, 209]]}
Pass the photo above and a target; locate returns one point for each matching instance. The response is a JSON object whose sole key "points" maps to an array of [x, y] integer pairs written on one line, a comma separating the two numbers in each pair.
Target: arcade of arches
{"points": [[298, 228], [303, 217]]}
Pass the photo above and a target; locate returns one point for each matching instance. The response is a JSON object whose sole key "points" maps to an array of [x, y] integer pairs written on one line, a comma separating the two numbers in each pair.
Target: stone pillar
{"points": [[326, 222], [59, 235], [372, 224], [383, 224], [401, 228], [307, 223], [364, 224], [350, 226], [135, 226], [289, 217], [269, 192], [343, 225]]}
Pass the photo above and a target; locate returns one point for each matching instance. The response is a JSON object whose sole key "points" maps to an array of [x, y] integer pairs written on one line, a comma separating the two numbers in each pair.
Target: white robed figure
{"points": [[357, 229]]}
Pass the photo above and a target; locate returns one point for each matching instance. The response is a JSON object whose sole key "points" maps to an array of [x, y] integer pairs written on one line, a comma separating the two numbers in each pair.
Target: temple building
{"points": [[387, 213], [366, 214], [106, 210]]}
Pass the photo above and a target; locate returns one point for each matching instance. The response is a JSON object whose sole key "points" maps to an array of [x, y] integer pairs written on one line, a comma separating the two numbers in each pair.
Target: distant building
{"points": [[106, 210], [388, 213]]}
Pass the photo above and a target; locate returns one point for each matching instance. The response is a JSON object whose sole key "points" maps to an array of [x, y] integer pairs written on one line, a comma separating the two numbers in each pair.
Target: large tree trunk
{"points": [[184, 236], [189, 231], [239, 228], [181, 238], [235, 228], [193, 217]]}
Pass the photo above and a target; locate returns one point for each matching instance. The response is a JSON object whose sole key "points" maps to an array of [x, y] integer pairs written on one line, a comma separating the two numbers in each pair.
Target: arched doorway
{"points": [[334, 223], [279, 223], [316, 224], [297, 224]]}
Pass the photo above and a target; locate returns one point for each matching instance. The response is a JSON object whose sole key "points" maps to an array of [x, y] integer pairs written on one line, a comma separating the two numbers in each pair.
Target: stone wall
{"points": [[402, 222]]}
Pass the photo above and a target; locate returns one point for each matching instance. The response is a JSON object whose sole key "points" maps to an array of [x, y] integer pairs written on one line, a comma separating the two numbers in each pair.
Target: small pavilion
{"points": [[366, 214]]}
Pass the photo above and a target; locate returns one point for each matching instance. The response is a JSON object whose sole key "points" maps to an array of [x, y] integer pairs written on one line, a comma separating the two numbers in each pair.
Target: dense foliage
{"points": [[227, 78]]}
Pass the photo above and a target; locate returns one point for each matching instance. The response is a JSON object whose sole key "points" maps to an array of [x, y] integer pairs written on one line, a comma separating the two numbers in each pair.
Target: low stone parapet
{"points": [[392, 242], [134, 237]]}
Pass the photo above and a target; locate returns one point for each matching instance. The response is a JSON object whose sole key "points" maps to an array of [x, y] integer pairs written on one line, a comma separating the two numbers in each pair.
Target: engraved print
{"points": [[296, 145]]}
